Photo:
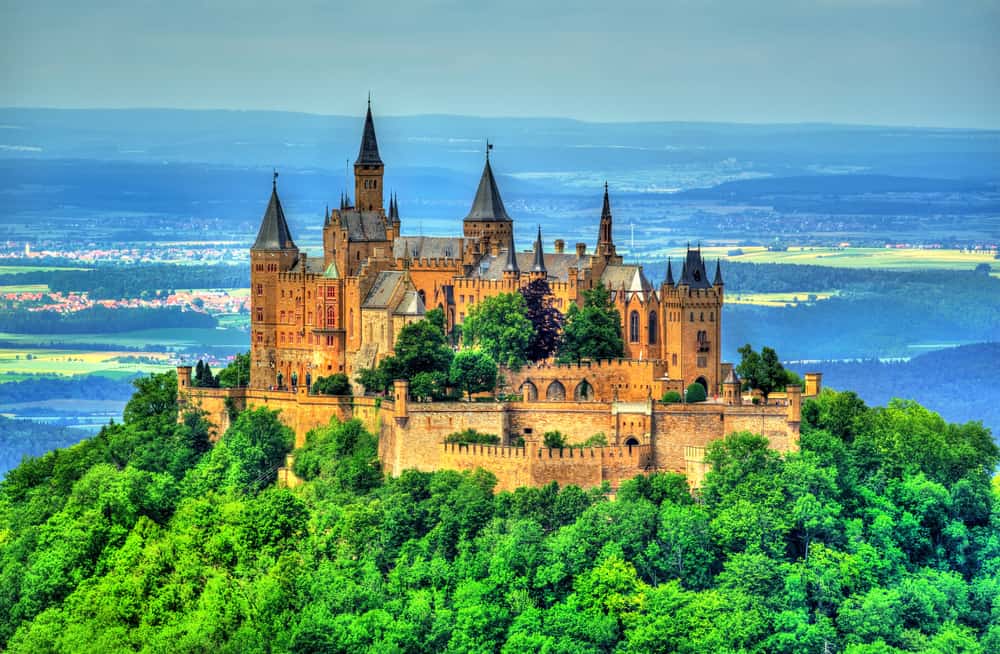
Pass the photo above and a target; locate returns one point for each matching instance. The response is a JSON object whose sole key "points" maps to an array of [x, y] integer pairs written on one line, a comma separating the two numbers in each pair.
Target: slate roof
{"points": [[427, 247], [557, 265], [274, 233], [487, 205], [363, 225], [381, 291], [511, 260], [732, 377], [312, 266], [538, 263], [632, 277], [410, 305], [694, 273], [368, 154]]}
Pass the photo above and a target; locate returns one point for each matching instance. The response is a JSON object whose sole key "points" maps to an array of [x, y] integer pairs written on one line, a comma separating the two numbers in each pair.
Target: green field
{"points": [[880, 258], [16, 364], [13, 270], [778, 299], [25, 288], [170, 338]]}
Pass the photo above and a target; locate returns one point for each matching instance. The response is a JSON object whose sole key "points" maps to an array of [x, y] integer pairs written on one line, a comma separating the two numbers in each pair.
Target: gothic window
{"points": [[633, 327], [555, 392], [282, 316], [529, 391], [584, 392], [652, 328], [260, 315], [331, 316]]}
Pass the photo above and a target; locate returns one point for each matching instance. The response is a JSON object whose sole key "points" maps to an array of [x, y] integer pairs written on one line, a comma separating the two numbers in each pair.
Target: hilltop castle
{"points": [[312, 317]]}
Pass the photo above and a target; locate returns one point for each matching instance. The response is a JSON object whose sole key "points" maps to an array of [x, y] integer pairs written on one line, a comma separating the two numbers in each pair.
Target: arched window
{"points": [[653, 328], [633, 327], [555, 392], [529, 391], [584, 392]]}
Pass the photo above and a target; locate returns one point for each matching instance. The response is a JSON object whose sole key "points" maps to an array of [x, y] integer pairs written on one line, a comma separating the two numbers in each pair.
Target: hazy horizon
{"points": [[905, 63]]}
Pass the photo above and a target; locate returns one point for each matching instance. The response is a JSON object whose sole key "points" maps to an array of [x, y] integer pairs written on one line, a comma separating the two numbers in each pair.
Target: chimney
{"points": [[560, 246], [581, 249]]}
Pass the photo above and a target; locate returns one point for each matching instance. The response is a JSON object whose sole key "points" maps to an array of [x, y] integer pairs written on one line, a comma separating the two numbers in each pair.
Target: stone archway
{"points": [[631, 441], [555, 392], [529, 391], [584, 392], [704, 384]]}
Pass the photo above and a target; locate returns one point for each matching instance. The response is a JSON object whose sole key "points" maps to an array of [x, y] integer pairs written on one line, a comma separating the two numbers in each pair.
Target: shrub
{"points": [[597, 440], [335, 384], [471, 436], [429, 386], [696, 393], [671, 397], [554, 440]]}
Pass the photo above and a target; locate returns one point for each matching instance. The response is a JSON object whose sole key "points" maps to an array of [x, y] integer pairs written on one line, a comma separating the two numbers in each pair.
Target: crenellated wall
{"points": [[642, 435]]}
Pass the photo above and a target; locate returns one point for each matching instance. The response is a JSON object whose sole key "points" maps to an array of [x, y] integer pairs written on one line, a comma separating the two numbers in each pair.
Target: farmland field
{"points": [[779, 299], [880, 258], [170, 338], [24, 288], [20, 363], [13, 270]]}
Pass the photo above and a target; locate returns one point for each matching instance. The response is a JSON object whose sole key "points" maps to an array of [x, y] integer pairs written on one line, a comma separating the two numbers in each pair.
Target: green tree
{"points": [[237, 373], [374, 380], [593, 332], [763, 371], [474, 371], [499, 326], [546, 320], [554, 439], [695, 393], [420, 347], [335, 384], [429, 385], [671, 397]]}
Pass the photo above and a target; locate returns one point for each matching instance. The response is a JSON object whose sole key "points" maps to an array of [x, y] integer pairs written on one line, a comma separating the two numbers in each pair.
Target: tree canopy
{"points": [[593, 332], [881, 534], [763, 371], [546, 320], [473, 371], [499, 326]]}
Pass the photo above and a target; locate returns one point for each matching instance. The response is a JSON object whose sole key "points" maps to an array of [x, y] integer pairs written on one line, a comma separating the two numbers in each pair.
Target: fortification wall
{"points": [[622, 379]]}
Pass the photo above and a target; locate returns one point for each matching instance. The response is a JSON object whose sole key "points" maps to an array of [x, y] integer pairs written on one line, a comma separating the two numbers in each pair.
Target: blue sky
{"points": [[894, 62]]}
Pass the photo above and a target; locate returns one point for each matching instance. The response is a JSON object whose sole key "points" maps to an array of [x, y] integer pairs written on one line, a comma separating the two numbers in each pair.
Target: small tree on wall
{"points": [[474, 371], [763, 371]]}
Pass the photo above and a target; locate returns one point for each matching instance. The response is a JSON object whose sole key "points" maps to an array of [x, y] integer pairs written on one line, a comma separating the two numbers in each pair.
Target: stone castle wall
{"points": [[642, 436]]}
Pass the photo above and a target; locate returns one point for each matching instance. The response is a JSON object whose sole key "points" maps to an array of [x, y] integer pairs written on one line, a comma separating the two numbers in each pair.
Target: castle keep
{"points": [[315, 316]]}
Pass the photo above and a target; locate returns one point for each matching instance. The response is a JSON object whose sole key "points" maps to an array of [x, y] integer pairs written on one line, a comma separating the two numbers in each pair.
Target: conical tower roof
{"points": [[274, 233], [718, 274], [511, 256], [539, 263], [670, 273], [368, 155], [488, 205]]}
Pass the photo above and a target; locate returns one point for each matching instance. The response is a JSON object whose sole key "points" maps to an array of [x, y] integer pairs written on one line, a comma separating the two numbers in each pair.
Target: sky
{"points": [[885, 62]]}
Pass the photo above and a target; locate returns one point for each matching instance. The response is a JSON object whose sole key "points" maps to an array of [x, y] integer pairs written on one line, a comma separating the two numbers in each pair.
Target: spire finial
{"points": [[489, 146], [369, 100], [605, 187], [274, 181]]}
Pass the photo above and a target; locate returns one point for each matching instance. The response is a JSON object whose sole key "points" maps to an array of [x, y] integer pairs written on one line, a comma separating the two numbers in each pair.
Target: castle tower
{"points": [[368, 169], [274, 252], [693, 312], [488, 221], [538, 270], [605, 239]]}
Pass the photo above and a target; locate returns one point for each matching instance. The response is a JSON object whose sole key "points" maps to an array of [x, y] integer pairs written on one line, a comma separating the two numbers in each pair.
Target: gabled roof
{"points": [[631, 277], [487, 206], [427, 247], [410, 305], [557, 265], [368, 154], [274, 233], [381, 291]]}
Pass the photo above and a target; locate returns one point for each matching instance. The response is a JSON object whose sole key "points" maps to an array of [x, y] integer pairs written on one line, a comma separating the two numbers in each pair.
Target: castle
{"points": [[313, 317]]}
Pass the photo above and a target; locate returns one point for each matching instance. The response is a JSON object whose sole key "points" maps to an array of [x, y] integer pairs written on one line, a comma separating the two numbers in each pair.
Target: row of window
{"points": [[634, 331]]}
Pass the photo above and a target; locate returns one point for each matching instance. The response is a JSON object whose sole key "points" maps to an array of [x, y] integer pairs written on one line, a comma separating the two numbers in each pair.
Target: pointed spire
{"points": [[394, 208], [539, 264], [684, 274], [718, 274], [487, 206], [368, 154], [326, 216], [670, 273], [511, 266], [605, 238], [606, 210], [274, 233]]}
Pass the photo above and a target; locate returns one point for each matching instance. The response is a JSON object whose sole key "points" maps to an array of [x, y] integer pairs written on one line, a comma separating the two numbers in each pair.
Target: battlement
{"points": [[611, 364]]}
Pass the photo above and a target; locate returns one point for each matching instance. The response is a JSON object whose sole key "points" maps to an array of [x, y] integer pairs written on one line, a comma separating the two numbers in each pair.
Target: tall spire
{"points": [[539, 264], [670, 273], [368, 154], [605, 239], [488, 205], [274, 233], [511, 266], [718, 274]]}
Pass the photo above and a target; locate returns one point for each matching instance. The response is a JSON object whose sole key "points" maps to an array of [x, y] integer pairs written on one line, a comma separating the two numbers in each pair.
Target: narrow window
{"points": [[633, 327]]}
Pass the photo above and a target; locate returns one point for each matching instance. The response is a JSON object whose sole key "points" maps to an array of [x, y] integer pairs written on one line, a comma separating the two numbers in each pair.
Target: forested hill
{"points": [[882, 535]]}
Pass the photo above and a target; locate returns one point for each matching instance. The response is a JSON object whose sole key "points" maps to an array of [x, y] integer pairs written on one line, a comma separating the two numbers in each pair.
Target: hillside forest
{"points": [[881, 535]]}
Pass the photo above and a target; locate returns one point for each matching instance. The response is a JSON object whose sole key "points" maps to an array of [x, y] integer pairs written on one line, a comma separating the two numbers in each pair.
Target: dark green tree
{"points": [[695, 393], [335, 384], [420, 347], [544, 317], [237, 373], [593, 332], [762, 371]]}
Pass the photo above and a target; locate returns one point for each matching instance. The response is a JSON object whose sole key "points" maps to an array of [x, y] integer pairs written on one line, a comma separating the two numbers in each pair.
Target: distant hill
{"points": [[960, 383]]}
